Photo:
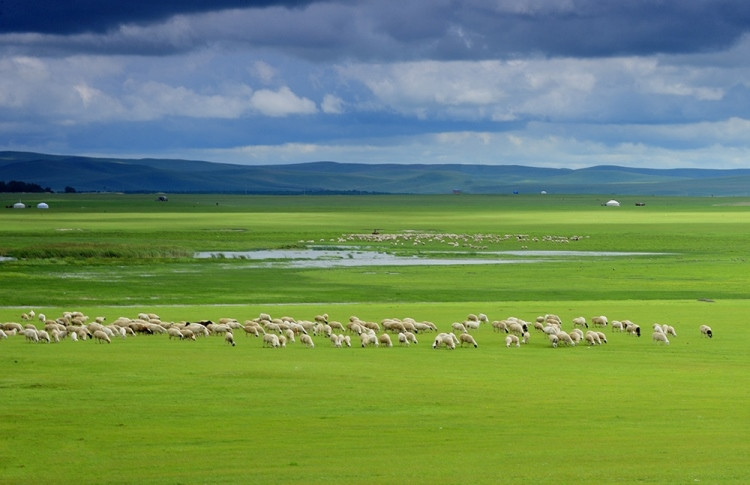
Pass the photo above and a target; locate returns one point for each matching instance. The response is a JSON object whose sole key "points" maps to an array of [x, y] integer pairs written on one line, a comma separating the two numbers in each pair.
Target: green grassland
{"points": [[150, 410]]}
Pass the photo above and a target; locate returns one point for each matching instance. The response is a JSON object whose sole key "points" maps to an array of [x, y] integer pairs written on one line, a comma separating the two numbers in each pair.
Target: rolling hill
{"points": [[87, 174]]}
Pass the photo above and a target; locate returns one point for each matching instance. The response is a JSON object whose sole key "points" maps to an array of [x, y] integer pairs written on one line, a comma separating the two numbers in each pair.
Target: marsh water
{"points": [[331, 258]]}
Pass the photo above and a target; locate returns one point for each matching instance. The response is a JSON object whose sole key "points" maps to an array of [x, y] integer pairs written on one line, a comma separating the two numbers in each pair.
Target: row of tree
{"points": [[16, 186]]}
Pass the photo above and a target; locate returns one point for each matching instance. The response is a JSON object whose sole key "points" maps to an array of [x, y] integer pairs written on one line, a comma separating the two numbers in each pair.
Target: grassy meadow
{"points": [[150, 410]]}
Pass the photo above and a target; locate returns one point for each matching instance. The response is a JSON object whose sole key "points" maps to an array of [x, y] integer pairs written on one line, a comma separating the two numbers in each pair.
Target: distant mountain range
{"points": [[87, 174]]}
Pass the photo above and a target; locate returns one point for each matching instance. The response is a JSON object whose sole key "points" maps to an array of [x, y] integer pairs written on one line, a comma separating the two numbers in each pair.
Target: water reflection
{"points": [[331, 258]]}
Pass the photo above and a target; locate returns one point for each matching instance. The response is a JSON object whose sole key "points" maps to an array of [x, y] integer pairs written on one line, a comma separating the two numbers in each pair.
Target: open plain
{"points": [[150, 409]]}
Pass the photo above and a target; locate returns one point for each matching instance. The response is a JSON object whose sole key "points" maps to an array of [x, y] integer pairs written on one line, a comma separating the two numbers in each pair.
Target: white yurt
{"points": [[612, 203], [19, 205], [42, 205]]}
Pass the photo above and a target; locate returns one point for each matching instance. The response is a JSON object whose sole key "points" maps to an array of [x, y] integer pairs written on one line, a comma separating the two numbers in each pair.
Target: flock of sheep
{"points": [[472, 241], [278, 332]]}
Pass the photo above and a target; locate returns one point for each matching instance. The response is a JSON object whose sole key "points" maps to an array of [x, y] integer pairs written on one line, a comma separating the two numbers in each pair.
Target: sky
{"points": [[545, 83]]}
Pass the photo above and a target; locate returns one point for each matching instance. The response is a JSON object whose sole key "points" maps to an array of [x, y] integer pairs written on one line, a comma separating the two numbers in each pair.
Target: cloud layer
{"points": [[565, 83]]}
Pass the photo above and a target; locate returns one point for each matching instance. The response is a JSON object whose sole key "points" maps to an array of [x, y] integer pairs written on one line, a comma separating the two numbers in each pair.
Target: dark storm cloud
{"points": [[77, 16], [379, 30]]}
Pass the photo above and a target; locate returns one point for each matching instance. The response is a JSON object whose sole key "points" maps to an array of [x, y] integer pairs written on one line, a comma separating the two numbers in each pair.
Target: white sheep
{"points": [[631, 328], [593, 338], [3, 334], [448, 340], [580, 322], [306, 340], [669, 330], [564, 337], [602, 337], [368, 338], [410, 337], [271, 340], [512, 340], [706, 331], [599, 321], [385, 339], [458, 327], [174, 332], [31, 335], [468, 339], [402, 340], [526, 338], [500, 326], [660, 337], [101, 336], [346, 340], [553, 339], [229, 338], [617, 325]]}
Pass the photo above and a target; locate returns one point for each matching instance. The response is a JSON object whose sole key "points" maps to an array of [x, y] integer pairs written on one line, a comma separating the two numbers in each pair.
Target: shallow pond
{"points": [[331, 258]]}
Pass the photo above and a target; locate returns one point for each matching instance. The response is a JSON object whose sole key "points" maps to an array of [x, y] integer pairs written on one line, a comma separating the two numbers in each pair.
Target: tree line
{"points": [[17, 186]]}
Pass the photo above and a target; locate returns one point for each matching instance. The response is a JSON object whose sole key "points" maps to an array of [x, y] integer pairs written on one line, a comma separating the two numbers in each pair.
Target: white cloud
{"points": [[281, 103], [332, 104]]}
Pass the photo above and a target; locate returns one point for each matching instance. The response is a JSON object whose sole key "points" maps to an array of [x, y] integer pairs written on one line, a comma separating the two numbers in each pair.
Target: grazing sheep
{"points": [[410, 337], [13, 326], [306, 340], [538, 325], [458, 327], [385, 339], [471, 325], [282, 341], [468, 339], [553, 340], [101, 336], [565, 338], [336, 340], [253, 329], [346, 340], [512, 340], [229, 338], [660, 337], [593, 338], [321, 318], [271, 340], [448, 340], [402, 340], [500, 326], [289, 334], [599, 321], [174, 332], [73, 336], [526, 338], [517, 328], [669, 330], [617, 325], [632, 329], [706, 331], [31, 335], [658, 328], [369, 339], [580, 322], [602, 337]]}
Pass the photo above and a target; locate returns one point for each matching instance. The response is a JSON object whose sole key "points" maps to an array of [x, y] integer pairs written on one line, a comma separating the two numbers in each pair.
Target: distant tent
{"points": [[612, 203], [42, 205], [19, 205]]}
